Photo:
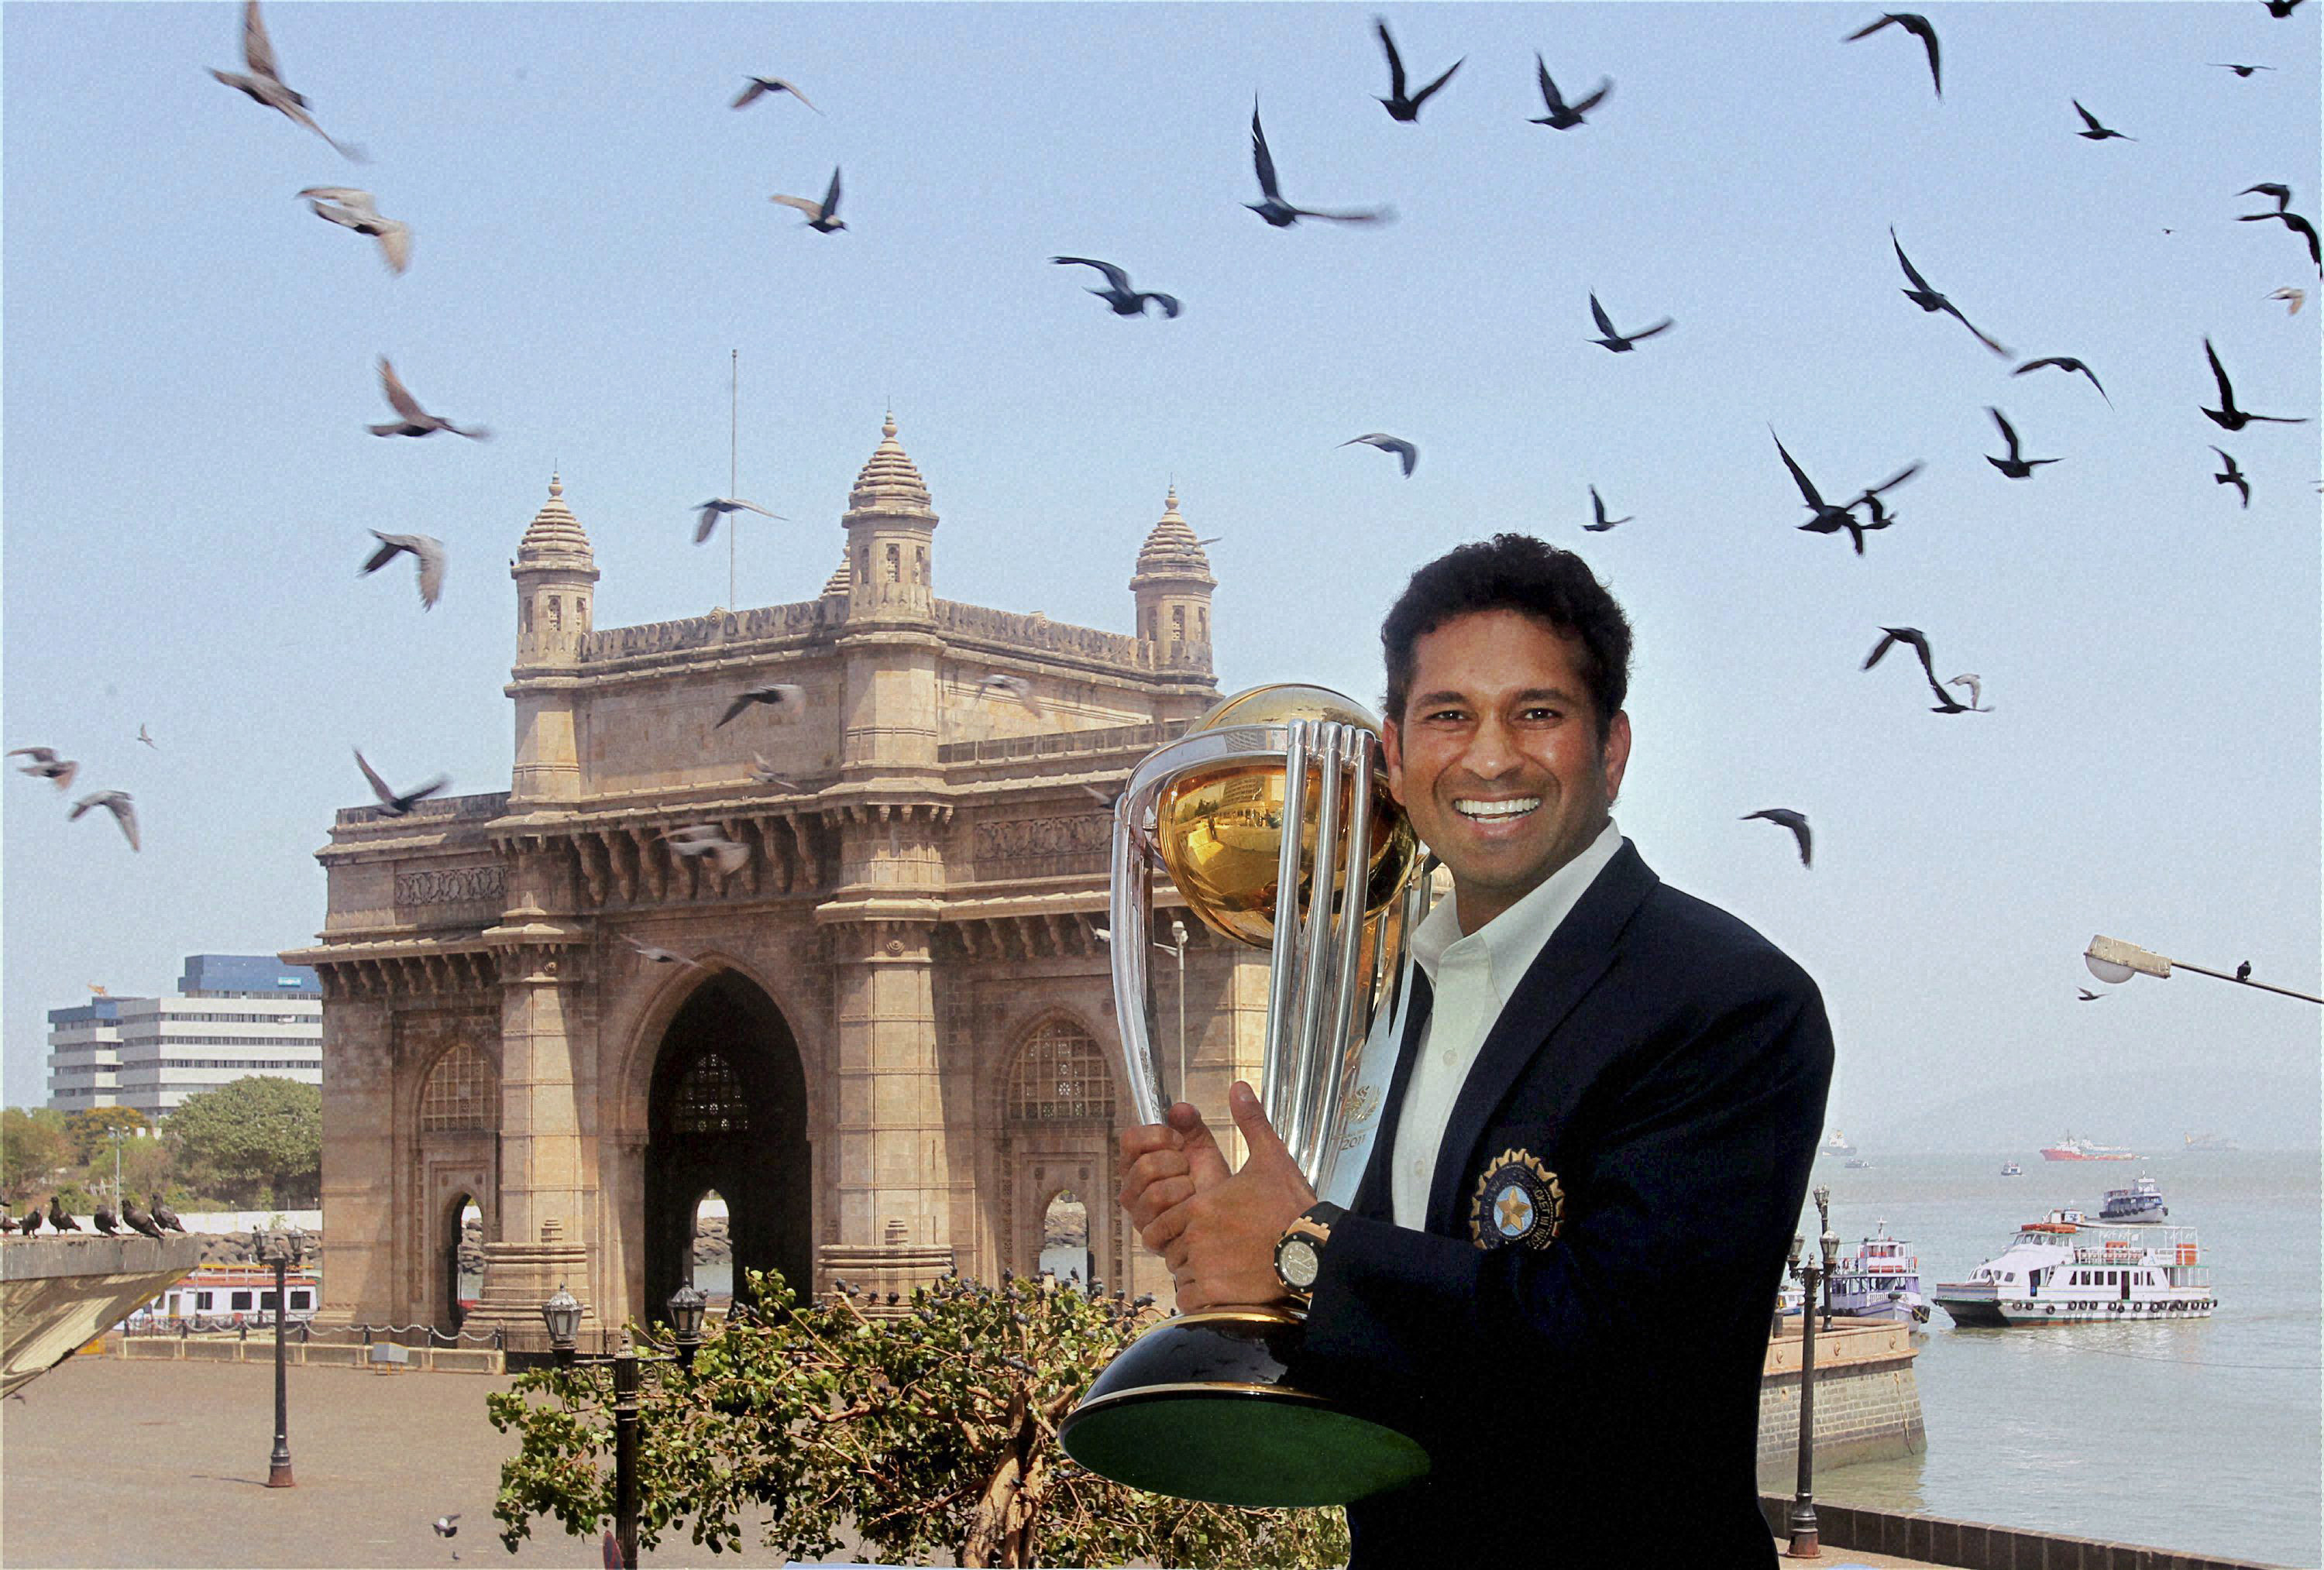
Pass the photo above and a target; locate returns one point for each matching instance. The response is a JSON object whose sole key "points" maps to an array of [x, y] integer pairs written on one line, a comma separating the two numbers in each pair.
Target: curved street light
{"points": [[2114, 961]]}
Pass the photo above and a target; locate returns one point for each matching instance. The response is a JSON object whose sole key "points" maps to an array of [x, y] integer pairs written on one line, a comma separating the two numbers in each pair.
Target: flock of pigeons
{"points": [[152, 1223]]}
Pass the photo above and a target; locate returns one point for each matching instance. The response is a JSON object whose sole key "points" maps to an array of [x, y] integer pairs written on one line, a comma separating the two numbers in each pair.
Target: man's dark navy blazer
{"points": [[1669, 1064]]}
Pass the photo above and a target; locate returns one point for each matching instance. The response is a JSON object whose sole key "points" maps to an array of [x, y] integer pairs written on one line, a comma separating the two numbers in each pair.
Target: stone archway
{"points": [[727, 1110], [461, 1258]]}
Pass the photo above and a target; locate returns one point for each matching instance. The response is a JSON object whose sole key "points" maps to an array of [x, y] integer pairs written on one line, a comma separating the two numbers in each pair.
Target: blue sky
{"points": [[188, 368]]}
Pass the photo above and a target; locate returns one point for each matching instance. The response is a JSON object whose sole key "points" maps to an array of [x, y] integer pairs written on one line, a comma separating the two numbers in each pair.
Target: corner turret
{"points": [[1173, 586], [555, 572]]}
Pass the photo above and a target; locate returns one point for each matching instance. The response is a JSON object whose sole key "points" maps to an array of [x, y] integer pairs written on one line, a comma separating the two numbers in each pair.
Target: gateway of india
{"points": [[890, 1043]]}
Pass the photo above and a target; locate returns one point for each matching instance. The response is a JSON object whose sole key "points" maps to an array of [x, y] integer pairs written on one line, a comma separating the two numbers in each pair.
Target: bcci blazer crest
{"points": [[1518, 1204]]}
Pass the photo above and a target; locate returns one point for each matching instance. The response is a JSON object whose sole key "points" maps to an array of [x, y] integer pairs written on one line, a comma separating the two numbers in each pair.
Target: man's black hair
{"points": [[1513, 571]]}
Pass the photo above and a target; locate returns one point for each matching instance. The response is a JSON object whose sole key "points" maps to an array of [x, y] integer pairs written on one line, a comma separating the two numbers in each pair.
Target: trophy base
{"points": [[1200, 1408]]}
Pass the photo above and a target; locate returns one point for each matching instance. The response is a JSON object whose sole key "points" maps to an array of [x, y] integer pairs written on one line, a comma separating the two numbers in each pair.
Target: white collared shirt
{"points": [[1471, 976]]}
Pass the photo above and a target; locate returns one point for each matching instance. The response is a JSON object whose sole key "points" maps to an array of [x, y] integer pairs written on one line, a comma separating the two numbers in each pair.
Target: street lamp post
{"points": [[2112, 960], [1822, 1194], [1810, 1271], [562, 1315], [280, 1250]]}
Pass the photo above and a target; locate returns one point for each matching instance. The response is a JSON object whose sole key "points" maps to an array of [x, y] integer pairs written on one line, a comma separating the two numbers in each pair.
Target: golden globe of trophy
{"points": [[1271, 814]]}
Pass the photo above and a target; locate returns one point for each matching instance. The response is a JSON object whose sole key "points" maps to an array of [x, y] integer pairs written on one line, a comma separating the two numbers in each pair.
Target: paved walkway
{"points": [[108, 1462], [112, 1463]]}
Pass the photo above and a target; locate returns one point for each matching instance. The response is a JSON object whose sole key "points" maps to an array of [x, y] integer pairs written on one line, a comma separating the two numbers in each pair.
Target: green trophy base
{"points": [[1200, 1407]]}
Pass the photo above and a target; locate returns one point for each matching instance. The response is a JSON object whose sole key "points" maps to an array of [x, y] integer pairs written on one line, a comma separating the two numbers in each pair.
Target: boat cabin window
{"points": [[204, 1300], [302, 1298], [239, 1300]]}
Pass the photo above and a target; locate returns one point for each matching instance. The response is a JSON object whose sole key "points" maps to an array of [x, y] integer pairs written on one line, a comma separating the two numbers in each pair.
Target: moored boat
{"points": [[1878, 1278], [2140, 1205], [2063, 1269], [2012, 1170]]}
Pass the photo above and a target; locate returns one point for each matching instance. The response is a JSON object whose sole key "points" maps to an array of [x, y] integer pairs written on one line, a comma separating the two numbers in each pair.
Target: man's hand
{"points": [[1164, 1165], [1220, 1238]]}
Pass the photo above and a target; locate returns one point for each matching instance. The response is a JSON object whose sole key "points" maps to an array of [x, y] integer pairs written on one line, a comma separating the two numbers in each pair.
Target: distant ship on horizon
{"points": [[2071, 1148], [1835, 1144], [2210, 1141]]}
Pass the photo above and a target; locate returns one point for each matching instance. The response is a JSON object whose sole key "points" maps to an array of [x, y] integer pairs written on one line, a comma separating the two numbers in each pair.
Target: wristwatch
{"points": [[1299, 1252]]}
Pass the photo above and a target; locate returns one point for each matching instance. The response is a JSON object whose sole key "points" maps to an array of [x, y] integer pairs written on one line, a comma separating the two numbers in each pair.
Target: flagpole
{"points": [[733, 406]]}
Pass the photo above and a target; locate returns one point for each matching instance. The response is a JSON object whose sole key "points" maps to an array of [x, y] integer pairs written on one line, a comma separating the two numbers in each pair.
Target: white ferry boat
{"points": [[1879, 1279], [1835, 1144], [2065, 1271]]}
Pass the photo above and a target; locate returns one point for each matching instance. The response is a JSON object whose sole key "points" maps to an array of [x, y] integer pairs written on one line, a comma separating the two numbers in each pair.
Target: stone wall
{"points": [[1868, 1401], [1974, 1545]]}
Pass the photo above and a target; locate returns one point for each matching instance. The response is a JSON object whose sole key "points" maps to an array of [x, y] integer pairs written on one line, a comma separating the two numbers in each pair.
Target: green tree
{"points": [[256, 1140], [90, 1130], [929, 1432], [32, 1146]]}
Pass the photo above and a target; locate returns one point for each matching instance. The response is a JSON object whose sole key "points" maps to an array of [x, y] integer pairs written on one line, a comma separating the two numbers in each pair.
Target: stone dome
{"points": [[1171, 554], [890, 484], [555, 539]]}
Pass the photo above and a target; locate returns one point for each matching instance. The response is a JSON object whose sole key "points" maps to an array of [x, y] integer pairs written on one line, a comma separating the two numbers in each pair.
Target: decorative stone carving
{"points": [[486, 882]]}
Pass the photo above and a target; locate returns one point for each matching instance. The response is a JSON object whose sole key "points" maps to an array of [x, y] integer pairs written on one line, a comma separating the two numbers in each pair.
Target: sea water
{"points": [[2200, 1436]]}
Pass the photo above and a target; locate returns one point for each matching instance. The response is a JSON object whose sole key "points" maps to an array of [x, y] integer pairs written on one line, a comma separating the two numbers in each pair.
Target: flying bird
{"points": [[106, 1222], [1279, 213], [2014, 466], [443, 1524], [1831, 520], [821, 216], [759, 86], [2232, 475], [114, 802], [1125, 300], [2243, 71], [2084, 995], [59, 1219], [998, 685], [694, 839], [416, 421], [1976, 686], [1620, 342], [709, 512], [2293, 222], [2227, 416], [427, 552], [2096, 132], [1398, 105], [764, 772], [1563, 116], [1929, 299], [1598, 509], [47, 765], [165, 1217], [147, 737], [397, 805], [2069, 363], [1796, 822], [2280, 8], [2268, 188], [139, 1221], [652, 956], [786, 698], [1890, 636], [1918, 26], [2292, 298], [264, 84], [353, 210], [1407, 454]]}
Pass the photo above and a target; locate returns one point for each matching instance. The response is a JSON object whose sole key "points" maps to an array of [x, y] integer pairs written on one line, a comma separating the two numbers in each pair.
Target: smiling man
{"points": [[1557, 1270]]}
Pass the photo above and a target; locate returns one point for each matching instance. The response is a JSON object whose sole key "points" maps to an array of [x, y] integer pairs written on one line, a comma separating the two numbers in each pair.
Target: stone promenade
{"points": [[106, 1462], [114, 1463]]}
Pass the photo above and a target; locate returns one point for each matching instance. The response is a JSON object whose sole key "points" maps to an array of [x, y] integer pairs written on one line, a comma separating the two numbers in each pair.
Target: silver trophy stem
{"points": [[1283, 977], [1348, 976], [1314, 954], [1132, 911]]}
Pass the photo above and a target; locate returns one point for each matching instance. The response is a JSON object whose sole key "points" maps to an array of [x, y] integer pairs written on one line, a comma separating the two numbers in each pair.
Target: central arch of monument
{"points": [[727, 1110]]}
